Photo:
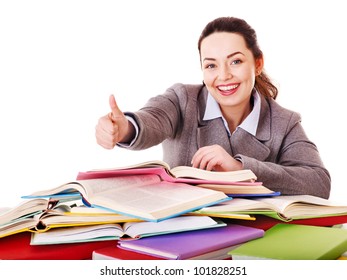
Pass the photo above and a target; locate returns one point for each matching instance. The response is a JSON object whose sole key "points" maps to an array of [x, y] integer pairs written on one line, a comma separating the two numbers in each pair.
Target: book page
{"points": [[226, 176], [156, 200], [281, 203], [78, 234], [239, 205], [28, 207], [104, 186], [137, 229], [16, 226], [146, 164], [238, 189]]}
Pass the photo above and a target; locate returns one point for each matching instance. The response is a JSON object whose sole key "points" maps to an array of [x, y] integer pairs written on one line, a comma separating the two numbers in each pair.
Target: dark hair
{"points": [[235, 25]]}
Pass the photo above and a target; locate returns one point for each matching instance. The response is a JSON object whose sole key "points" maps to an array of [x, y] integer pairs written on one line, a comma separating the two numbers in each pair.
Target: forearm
{"points": [[312, 179]]}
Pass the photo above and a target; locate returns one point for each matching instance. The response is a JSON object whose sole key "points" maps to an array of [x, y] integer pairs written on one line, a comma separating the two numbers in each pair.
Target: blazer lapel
{"points": [[246, 144], [210, 132], [253, 146], [213, 132]]}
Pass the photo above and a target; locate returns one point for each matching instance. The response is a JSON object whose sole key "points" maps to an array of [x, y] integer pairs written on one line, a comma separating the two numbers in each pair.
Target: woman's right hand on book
{"points": [[113, 127]]}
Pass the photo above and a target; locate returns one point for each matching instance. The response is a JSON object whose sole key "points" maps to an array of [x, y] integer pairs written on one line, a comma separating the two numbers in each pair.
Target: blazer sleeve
{"points": [[158, 120], [298, 168]]}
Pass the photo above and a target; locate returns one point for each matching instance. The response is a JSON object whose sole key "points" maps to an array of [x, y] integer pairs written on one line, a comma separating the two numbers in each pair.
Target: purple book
{"points": [[185, 245]]}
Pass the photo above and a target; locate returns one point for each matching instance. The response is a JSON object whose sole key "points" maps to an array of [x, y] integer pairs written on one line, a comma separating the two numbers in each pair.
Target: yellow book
{"points": [[284, 207], [40, 215], [127, 230]]}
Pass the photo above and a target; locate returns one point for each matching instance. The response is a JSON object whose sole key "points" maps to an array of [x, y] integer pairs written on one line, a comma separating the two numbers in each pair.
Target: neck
{"points": [[236, 115]]}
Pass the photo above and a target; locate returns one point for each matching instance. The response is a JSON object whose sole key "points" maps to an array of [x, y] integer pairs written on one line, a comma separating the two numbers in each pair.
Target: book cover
{"points": [[117, 253], [186, 245], [295, 242], [17, 247]]}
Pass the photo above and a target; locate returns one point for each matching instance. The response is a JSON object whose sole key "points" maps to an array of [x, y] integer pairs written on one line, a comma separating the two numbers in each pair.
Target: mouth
{"points": [[227, 90]]}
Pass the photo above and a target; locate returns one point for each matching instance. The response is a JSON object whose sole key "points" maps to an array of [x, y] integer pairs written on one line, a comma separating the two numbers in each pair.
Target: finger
{"points": [[116, 113], [201, 158]]}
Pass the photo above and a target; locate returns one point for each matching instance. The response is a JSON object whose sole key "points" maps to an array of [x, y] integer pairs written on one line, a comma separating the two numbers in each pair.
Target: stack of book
{"points": [[149, 211]]}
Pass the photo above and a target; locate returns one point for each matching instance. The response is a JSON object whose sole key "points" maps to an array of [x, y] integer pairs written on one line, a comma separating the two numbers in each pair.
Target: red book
{"points": [[116, 253], [17, 247]]}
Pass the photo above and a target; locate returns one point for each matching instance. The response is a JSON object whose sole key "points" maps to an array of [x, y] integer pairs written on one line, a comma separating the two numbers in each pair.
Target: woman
{"points": [[230, 122]]}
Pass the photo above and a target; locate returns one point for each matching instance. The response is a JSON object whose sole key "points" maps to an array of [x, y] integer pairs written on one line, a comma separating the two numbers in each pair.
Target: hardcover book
{"points": [[295, 242], [186, 245]]}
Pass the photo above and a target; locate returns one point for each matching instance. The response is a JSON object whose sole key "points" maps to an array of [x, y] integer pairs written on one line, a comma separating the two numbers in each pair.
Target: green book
{"points": [[295, 242]]}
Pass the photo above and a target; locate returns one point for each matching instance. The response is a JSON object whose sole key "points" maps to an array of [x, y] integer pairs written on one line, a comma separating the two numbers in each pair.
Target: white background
{"points": [[60, 61]]}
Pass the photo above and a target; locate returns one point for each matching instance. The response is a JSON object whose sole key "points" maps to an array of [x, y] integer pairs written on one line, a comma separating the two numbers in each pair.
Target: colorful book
{"points": [[178, 174], [240, 183], [17, 247], [116, 253], [128, 230], [146, 196], [295, 242], [41, 215], [284, 207], [186, 245], [266, 222]]}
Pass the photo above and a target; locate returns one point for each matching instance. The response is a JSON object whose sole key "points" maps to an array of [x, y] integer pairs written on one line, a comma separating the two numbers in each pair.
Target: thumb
{"points": [[115, 113]]}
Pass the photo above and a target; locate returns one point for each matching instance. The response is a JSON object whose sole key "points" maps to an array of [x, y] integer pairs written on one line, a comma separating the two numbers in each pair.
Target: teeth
{"points": [[228, 87]]}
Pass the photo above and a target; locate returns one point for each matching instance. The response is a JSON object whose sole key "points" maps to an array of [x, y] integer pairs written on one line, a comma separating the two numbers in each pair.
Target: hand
{"points": [[113, 128], [215, 158]]}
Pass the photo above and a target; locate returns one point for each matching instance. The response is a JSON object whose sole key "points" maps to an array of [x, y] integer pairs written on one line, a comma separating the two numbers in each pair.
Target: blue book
{"points": [[144, 196]]}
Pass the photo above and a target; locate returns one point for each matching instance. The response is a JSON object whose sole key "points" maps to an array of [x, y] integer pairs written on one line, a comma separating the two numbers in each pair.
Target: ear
{"points": [[259, 65]]}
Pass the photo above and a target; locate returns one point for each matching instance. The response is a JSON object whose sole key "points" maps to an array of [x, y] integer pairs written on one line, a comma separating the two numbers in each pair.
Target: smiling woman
{"points": [[56, 77], [230, 122], [229, 74]]}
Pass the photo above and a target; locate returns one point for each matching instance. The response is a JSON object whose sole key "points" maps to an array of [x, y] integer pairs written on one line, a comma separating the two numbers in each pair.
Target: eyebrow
{"points": [[230, 55]]}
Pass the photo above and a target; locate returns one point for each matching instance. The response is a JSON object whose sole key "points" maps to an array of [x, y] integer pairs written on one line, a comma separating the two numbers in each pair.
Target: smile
{"points": [[228, 89]]}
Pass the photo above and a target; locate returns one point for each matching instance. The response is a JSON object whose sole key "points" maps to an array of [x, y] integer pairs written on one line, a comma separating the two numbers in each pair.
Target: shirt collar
{"points": [[249, 124]]}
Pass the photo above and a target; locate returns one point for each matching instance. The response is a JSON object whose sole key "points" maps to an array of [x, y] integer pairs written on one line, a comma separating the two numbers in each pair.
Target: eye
{"points": [[236, 61], [210, 66]]}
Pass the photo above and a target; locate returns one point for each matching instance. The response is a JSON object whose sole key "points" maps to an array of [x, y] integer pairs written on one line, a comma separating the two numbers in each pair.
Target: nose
{"points": [[225, 73]]}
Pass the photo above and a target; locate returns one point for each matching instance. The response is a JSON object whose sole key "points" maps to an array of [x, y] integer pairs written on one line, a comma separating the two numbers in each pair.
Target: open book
{"points": [[125, 231], [178, 174], [144, 196], [240, 183], [40, 215], [285, 208], [245, 190]]}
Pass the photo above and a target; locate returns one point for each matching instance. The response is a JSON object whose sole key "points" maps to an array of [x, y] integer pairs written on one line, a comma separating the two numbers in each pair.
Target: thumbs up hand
{"points": [[116, 114], [113, 127]]}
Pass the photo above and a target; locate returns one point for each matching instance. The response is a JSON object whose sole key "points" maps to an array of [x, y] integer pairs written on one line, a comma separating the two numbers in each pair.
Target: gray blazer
{"points": [[280, 154]]}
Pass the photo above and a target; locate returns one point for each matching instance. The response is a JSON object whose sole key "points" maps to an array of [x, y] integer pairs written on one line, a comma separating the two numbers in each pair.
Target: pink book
{"points": [[232, 183], [187, 245], [179, 174]]}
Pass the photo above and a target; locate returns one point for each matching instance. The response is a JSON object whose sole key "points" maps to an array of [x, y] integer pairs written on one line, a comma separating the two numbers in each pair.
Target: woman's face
{"points": [[229, 69]]}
